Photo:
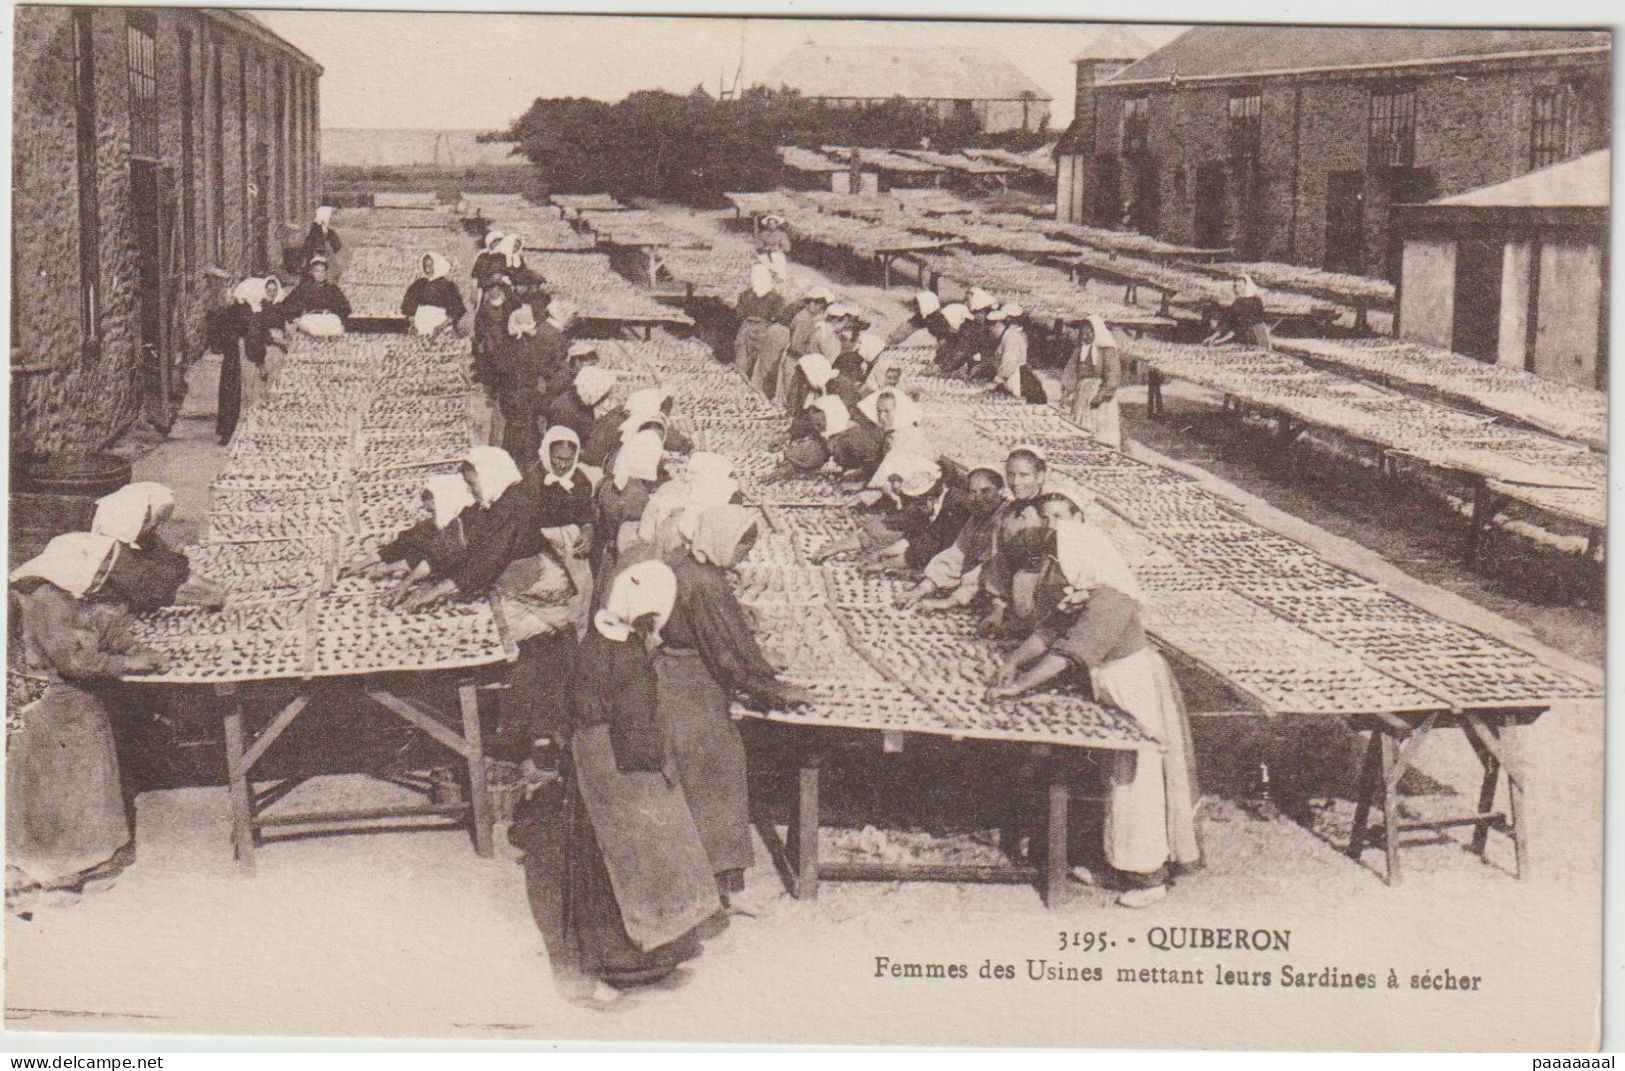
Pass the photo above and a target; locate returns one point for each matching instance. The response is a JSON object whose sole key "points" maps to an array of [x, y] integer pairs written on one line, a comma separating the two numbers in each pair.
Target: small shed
{"points": [[1515, 273]]}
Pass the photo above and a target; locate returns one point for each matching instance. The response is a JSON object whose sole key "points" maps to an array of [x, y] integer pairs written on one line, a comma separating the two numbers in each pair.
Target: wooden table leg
{"points": [[1511, 738], [1486, 792], [239, 787], [1390, 804], [1153, 394], [1369, 772], [804, 853], [479, 788], [1056, 869]]}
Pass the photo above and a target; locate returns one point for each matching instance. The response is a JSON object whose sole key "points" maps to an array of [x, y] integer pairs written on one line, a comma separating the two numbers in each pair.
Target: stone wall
{"points": [[73, 397], [1472, 129]]}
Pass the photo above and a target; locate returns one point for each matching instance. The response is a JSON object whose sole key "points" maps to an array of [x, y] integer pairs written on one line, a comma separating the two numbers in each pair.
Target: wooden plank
{"points": [[414, 715], [1012, 874], [446, 810], [267, 737]]}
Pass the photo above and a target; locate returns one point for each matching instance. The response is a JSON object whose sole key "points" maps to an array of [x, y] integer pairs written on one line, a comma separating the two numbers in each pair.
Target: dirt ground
{"points": [[408, 933]]}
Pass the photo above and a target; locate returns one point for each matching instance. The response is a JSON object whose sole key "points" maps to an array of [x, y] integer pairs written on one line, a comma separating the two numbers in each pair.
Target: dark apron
{"points": [[657, 866], [710, 756]]}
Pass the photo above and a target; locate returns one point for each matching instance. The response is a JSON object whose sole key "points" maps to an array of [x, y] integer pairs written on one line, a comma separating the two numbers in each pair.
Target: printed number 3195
{"points": [[1084, 941]]}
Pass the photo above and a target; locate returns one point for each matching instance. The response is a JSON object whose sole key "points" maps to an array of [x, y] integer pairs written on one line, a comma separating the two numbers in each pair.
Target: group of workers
{"points": [[609, 542]]}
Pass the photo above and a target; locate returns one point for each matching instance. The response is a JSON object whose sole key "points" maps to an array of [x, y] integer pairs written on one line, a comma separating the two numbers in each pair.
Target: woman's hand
{"points": [[1009, 667], [146, 662], [1072, 600], [796, 696], [1006, 690], [912, 597]]}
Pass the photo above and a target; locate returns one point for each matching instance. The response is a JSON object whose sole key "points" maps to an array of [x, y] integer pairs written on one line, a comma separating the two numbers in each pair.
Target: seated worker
{"points": [[432, 302], [317, 306]]}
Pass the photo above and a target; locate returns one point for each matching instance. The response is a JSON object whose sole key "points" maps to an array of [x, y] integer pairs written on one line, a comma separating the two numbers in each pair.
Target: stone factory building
{"points": [[974, 82], [159, 155], [1293, 143]]}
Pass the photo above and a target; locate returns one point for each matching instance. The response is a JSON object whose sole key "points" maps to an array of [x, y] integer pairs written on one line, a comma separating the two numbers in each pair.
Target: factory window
{"points": [[90, 259], [1393, 126], [141, 31], [1549, 126], [1245, 110], [217, 157], [1136, 110], [188, 147]]}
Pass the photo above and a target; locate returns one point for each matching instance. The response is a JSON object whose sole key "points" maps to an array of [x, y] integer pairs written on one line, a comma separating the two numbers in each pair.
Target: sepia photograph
{"points": [[768, 530]]}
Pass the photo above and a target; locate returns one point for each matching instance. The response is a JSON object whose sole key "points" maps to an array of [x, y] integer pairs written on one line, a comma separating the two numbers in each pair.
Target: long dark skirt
{"points": [[229, 407], [64, 808], [710, 757]]}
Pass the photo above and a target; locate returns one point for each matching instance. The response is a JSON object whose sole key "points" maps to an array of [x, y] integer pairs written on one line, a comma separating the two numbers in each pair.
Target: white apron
{"points": [[1137, 818], [321, 324], [1104, 423], [428, 318]]}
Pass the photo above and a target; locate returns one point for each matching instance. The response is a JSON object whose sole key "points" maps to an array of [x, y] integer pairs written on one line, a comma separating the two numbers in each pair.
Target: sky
{"points": [[469, 71]]}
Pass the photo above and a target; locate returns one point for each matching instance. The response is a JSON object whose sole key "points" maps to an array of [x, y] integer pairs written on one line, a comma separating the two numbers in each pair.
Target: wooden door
{"points": [[1146, 214], [1476, 320], [1212, 230], [1345, 221]]}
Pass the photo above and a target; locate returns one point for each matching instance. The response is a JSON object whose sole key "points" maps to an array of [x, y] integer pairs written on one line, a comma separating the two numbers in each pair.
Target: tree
{"points": [[695, 148]]}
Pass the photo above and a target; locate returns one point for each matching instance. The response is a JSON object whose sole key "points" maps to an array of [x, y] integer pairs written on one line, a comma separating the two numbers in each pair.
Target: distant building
{"points": [[975, 82], [157, 154], [1293, 143], [358, 147], [1515, 273], [1108, 52]]}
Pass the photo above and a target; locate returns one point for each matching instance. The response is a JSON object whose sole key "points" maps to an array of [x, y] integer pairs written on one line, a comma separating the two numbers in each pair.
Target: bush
{"points": [[694, 148]]}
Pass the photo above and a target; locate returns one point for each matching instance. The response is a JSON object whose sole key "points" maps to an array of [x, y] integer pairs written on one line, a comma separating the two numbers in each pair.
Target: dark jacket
{"points": [[311, 296], [441, 292]]}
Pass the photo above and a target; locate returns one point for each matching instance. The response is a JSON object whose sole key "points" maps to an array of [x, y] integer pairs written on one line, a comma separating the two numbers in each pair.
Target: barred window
{"points": [[84, 98], [1136, 111], [1245, 112], [1549, 139], [141, 31], [1393, 126]]}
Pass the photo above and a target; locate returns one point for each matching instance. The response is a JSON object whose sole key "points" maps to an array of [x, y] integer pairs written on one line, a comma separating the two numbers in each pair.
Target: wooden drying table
{"points": [[1495, 737], [797, 856], [250, 808]]}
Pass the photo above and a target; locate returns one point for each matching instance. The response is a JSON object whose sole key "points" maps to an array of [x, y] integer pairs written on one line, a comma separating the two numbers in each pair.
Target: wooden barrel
{"points": [[90, 475]]}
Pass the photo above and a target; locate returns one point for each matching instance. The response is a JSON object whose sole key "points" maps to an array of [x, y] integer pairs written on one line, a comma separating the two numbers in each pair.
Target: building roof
{"points": [[247, 20], [913, 73], [1219, 52], [1114, 43], [1578, 183]]}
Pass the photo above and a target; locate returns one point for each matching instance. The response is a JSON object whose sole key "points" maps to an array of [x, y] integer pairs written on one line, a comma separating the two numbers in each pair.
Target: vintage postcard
{"points": [[786, 530]]}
